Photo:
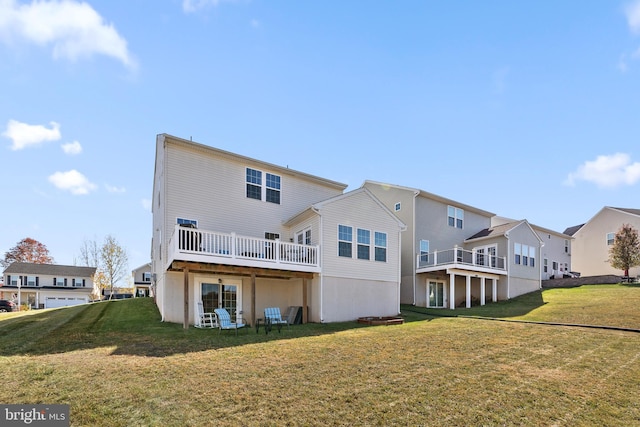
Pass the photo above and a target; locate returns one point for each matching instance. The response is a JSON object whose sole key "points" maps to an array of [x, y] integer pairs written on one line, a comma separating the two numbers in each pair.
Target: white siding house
{"points": [[48, 285], [235, 232], [593, 240], [451, 254]]}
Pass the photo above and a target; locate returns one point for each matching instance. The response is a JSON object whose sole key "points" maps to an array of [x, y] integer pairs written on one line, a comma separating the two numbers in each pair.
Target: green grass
{"points": [[116, 364]]}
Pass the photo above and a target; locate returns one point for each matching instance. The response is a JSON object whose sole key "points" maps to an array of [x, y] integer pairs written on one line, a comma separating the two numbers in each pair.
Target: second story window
{"points": [[271, 185], [611, 237], [424, 250], [273, 188], [345, 239], [32, 281], [380, 246], [78, 283], [566, 246], [254, 184], [146, 276], [364, 243], [60, 281], [455, 217]]}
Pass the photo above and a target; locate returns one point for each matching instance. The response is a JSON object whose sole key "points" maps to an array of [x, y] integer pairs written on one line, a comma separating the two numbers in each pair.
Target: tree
{"points": [[27, 250], [110, 259], [115, 261], [625, 251]]}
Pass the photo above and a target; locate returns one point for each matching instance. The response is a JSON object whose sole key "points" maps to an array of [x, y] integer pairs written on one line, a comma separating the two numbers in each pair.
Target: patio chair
{"points": [[272, 317], [224, 321], [205, 320]]}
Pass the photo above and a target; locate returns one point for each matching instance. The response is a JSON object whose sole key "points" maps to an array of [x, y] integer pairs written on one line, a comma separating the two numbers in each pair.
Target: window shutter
{"points": [[8, 279], [65, 281], [83, 285], [37, 281], [73, 282], [54, 282]]}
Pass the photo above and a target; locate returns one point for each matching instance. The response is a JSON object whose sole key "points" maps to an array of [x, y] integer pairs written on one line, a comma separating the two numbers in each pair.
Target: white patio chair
{"points": [[205, 320]]}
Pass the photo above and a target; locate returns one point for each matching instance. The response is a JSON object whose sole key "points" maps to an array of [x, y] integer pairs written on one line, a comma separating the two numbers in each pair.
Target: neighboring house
{"points": [[142, 286], [451, 254], [592, 241], [235, 232], [556, 249], [48, 285]]}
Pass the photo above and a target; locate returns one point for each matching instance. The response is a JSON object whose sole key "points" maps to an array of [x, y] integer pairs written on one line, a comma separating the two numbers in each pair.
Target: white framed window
{"points": [[14, 280], [397, 206], [271, 236], [424, 251], [455, 217], [611, 238], [78, 282], [60, 281], [273, 189], [364, 244], [380, 246], [532, 256], [31, 281], [146, 276], [517, 253], [545, 265], [255, 183], [345, 241], [566, 246], [554, 265], [304, 237]]}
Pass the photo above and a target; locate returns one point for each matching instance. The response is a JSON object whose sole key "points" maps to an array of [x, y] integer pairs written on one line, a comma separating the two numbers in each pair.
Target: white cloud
{"points": [[75, 30], [607, 171], [112, 189], [72, 181], [632, 11], [72, 148], [24, 135], [146, 204]]}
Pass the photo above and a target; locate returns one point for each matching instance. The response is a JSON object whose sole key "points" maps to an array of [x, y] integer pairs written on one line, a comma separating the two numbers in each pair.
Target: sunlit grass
{"points": [[116, 364]]}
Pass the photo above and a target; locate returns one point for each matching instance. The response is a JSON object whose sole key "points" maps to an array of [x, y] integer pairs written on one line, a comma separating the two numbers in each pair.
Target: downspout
{"points": [[540, 266], [508, 265], [399, 266], [316, 210], [413, 248]]}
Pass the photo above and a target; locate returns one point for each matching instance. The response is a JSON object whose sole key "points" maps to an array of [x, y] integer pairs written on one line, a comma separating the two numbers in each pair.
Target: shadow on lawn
{"points": [[514, 307], [129, 327]]}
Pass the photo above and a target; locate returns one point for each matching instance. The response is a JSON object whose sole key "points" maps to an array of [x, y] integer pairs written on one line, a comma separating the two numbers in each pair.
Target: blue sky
{"points": [[526, 109]]}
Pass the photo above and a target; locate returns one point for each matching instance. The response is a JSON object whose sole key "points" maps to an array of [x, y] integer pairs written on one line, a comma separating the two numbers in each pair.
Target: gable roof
{"points": [[317, 206], [626, 210], [501, 230], [570, 231], [49, 269], [166, 138], [426, 194]]}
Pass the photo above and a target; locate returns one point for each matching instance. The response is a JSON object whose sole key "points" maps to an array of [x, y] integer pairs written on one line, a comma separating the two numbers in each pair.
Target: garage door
{"points": [[55, 302]]}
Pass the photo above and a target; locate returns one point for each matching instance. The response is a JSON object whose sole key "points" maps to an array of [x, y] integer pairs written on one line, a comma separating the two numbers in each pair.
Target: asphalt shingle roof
{"points": [[49, 269]]}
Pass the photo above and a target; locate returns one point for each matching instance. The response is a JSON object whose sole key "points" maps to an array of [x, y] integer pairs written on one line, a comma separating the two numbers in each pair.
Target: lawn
{"points": [[116, 364]]}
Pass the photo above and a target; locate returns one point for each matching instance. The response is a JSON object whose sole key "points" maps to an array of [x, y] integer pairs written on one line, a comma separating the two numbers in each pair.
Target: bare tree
{"points": [[27, 250], [110, 259], [625, 252], [90, 253], [115, 262]]}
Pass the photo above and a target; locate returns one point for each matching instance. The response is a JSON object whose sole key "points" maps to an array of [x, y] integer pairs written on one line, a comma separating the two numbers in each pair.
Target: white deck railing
{"points": [[199, 243], [459, 256]]}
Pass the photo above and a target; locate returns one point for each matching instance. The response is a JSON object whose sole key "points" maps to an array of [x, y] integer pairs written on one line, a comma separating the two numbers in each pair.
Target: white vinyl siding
{"points": [[192, 174], [346, 211]]}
